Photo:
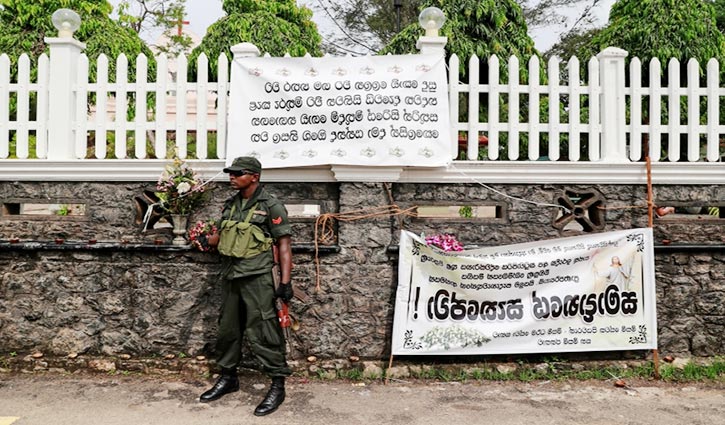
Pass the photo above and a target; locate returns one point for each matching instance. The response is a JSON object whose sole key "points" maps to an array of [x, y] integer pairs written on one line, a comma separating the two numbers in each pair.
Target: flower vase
{"points": [[180, 222]]}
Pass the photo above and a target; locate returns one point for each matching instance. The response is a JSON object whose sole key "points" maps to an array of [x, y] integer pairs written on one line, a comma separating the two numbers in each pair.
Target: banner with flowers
{"points": [[367, 111], [585, 293]]}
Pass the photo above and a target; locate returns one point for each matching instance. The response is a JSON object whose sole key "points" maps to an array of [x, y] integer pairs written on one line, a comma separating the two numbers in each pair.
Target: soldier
{"points": [[252, 221]]}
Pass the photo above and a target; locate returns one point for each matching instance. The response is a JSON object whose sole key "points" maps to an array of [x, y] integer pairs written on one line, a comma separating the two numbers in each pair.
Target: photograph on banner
{"points": [[369, 110], [586, 293]]}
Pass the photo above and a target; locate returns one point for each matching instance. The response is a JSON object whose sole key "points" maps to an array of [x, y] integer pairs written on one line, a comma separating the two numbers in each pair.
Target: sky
{"points": [[202, 13]]}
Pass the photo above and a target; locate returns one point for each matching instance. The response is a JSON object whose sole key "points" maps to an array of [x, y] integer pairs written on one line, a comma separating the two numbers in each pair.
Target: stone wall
{"points": [[132, 293]]}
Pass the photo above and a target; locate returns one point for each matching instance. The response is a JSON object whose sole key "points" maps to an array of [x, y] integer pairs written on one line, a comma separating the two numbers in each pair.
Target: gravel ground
{"points": [[43, 399]]}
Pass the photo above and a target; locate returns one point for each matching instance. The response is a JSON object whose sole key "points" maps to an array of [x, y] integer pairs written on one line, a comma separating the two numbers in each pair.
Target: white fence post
{"points": [[64, 55], [436, 45], [613, 105]]}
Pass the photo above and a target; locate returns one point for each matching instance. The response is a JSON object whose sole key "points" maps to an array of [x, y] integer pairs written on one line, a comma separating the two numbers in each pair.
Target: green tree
{"points": [[483, 28], [664, 29], [25, 24], [365, 26], [719, 7], [275, 27], [368, 25], [148, 15], [541, 13], [575, 43]]}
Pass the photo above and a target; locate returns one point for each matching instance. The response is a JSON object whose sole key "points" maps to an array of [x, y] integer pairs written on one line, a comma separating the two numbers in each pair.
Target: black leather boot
{"points": [[227, 383], [274, 397]]}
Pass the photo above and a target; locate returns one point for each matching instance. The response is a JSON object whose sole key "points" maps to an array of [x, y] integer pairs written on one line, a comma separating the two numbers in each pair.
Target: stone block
{"points": [[681, 362], [397, 372], [372, 370], [506, 368], [102, 365]]}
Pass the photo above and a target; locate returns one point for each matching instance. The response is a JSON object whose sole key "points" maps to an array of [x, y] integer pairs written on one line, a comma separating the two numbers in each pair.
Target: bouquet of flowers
{"points": [[445, 241], [199, 234], [180, 189]]}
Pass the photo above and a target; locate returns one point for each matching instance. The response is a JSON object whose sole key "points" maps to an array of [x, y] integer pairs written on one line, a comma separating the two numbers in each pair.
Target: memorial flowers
{"points": [[180, 189], [199, 234], [445, 241]]}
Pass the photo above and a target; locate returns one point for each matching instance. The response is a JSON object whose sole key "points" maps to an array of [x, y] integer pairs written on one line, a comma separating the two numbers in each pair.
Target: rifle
{"points": [[285, 320]]}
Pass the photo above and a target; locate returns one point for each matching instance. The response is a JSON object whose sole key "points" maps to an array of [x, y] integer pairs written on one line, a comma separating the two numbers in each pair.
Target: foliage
{"points": [[576, 43], [350, 374], [275, 27], [368, 25], [147, 15], [180, 189], [694, 372], [483, 28], [713, 371], [63, 210], [26, 23], [719, 8], [199, 234], [32, 146], [446, 242], [465, 211], [664, 29], [540, 13], [178, 41]]}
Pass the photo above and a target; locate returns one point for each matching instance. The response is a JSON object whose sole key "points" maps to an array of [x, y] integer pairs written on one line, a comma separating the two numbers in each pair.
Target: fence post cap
{"points": [[432, 45], [244, 50], [60, 41], [612, 52]]}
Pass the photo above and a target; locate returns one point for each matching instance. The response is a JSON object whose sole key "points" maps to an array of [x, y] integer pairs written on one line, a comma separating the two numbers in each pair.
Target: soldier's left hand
{"points": [[284, 292]]}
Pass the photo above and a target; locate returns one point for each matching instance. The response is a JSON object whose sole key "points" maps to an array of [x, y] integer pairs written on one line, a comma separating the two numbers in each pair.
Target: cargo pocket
{"points": [[270, 332]]}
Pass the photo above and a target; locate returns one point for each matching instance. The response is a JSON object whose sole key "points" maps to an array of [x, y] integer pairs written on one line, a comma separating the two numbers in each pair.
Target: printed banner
{"points": [[586, 293], [371, 110]]}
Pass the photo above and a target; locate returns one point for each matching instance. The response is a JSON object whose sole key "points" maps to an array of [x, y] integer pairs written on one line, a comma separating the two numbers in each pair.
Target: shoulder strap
{"points": [[235, 201], [251, 213]]}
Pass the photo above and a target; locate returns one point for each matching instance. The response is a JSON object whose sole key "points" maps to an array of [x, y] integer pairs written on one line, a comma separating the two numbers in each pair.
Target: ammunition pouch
{"points": [[242, 239]]}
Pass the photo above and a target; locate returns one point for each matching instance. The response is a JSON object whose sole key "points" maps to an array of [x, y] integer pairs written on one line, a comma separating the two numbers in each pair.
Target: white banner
{"points": [[371, 110], [586, 293]]}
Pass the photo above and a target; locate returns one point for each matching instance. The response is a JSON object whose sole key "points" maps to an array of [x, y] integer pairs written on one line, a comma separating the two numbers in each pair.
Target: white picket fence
{"points": [[73, 142], [160, 125], [703, 140], [110, 107]]}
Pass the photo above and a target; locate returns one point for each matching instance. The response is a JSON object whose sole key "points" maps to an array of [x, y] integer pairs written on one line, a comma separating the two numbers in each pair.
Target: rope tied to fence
{"points": [[325, 225]]}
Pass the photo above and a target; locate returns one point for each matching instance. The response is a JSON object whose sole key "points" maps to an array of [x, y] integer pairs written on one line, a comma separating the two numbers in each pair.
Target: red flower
{"points": [[199, 235]]}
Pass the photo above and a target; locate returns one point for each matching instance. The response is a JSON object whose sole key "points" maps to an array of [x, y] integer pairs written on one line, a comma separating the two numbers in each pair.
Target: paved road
{"points": [[135, 400]]}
